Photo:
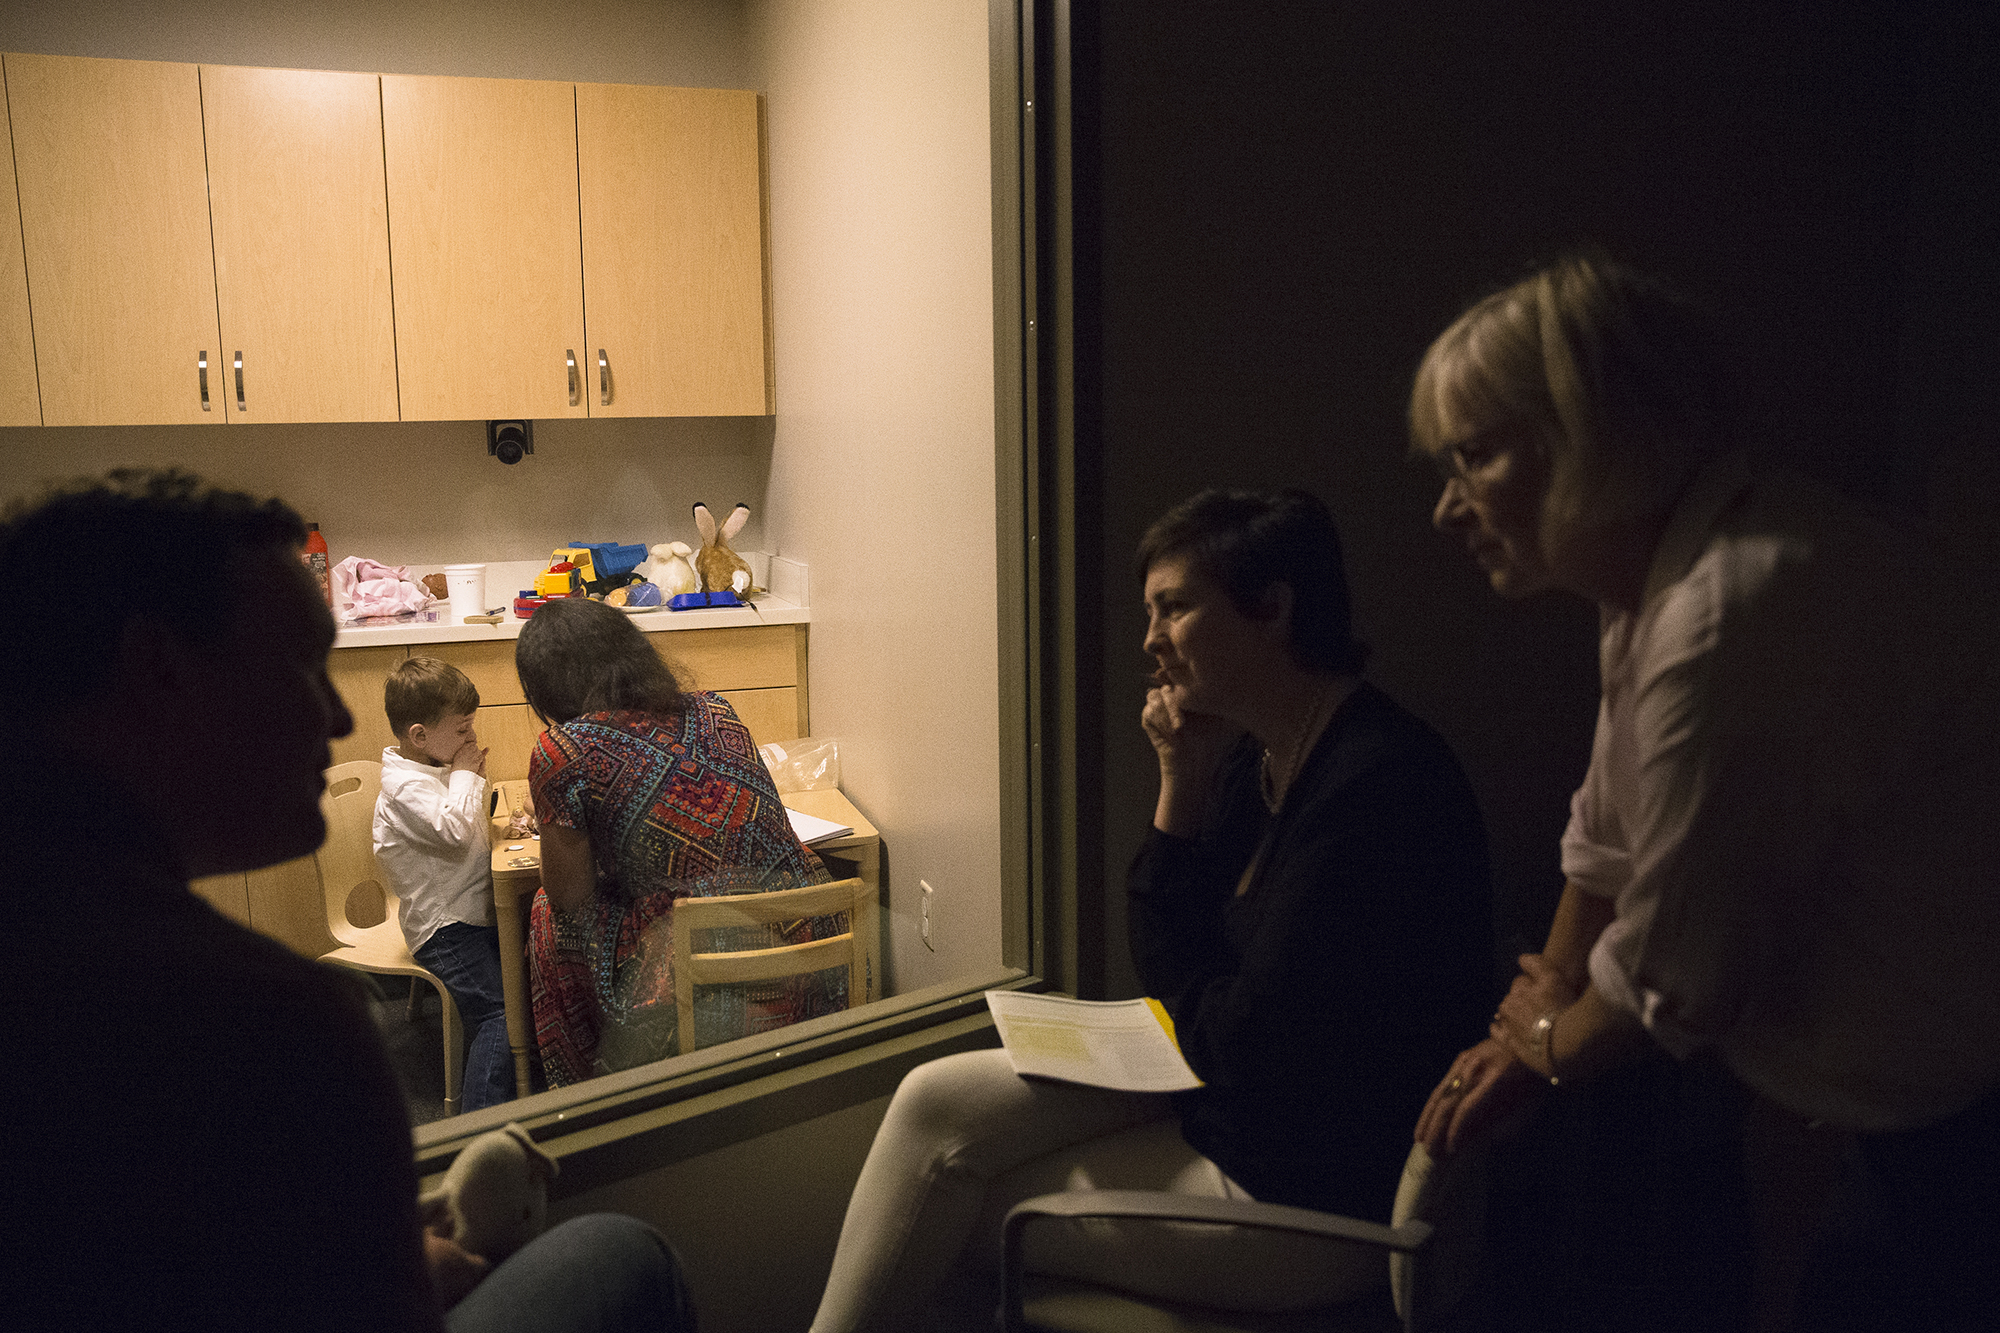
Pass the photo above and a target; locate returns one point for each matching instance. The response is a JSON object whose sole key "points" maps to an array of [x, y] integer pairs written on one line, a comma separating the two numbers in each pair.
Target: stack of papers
{"points": [[1123, 1044], [813, 830]]}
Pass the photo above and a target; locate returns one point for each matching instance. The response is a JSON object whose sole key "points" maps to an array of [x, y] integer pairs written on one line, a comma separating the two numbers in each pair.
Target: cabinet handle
{"points": [[575, 387], [603, 379], [201, 366], [239, 382]]}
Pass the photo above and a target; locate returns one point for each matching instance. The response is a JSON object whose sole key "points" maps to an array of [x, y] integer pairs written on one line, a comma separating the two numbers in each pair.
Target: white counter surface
{"points": [[504, 581]]}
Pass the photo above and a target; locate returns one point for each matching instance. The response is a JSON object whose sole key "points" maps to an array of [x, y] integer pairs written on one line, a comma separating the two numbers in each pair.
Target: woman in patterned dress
{"points": [[645, 794]]}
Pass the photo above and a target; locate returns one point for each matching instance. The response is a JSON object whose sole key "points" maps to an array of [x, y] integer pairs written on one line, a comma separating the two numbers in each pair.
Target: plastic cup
{"points": [[465, 588]]}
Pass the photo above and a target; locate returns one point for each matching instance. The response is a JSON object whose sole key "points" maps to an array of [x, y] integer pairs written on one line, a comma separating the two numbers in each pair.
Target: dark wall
{"points": [[1280, 204]]}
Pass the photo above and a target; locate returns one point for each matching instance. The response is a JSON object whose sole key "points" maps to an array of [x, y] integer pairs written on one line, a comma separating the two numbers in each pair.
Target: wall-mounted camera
{"points": [[510, 441]]}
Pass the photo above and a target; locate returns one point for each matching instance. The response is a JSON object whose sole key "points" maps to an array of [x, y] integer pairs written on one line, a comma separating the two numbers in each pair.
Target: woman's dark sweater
{"points": [[1322, 1006]]}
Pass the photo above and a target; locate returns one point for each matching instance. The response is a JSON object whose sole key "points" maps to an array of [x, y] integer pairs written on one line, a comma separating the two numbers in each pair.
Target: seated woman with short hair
{"points": [[1312, 904], [645, 795]]}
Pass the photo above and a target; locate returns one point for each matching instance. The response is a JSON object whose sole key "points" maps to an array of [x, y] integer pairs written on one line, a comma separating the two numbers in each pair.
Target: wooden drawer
{"points": [[747, 657], [489, 666]]}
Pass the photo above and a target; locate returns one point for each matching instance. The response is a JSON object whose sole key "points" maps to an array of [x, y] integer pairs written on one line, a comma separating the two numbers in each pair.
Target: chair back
{"points": [[856, 949], [347, 857], [1450, 1195]]}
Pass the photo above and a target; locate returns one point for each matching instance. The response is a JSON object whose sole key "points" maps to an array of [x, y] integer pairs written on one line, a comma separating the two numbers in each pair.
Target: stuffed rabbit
{"points": [[721, 568], [671, 571]]}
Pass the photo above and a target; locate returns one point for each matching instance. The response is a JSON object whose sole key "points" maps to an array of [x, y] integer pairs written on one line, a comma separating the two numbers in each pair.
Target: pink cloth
{"points": [[366, 588]]}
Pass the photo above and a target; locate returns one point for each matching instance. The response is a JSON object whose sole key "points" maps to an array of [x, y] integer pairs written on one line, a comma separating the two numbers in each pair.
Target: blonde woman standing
{"points": [[1785, 858]]}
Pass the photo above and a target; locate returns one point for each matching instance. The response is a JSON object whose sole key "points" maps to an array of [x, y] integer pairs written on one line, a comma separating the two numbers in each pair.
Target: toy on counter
{"points": [[721, 569], [671, 570], [560, 579], [692, 601], [590, 568], [633, 596], [495, 1197], [584, 569]]}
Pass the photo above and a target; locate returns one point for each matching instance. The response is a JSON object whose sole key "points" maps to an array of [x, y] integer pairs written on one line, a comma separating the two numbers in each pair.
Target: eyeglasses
{"points": [[1459, 460]]}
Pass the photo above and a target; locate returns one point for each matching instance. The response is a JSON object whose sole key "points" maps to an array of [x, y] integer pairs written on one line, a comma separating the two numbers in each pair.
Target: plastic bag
{"points": [[806, 764]]}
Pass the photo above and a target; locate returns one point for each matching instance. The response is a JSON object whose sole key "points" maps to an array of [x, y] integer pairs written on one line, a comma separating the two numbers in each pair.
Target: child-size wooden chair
{"points": [[858, 949], [347, 862]]}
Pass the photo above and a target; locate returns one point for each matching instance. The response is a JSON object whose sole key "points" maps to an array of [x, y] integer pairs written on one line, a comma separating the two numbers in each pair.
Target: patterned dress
{"points": [[675, 805]]}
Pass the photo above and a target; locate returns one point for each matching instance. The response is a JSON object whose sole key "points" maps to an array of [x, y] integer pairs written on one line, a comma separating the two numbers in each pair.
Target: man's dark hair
{"points": [[576, 656], [89, 556], [1248, 540]]}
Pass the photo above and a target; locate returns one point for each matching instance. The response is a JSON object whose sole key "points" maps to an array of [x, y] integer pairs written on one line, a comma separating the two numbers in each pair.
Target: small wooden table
{"points": [[517, 873]]}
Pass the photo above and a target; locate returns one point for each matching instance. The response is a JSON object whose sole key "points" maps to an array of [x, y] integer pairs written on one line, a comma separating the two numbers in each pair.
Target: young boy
{"points": [[431, 840]]}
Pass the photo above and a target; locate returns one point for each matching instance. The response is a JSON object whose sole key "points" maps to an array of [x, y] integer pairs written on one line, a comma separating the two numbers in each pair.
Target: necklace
{"points": [[1273, 790]]}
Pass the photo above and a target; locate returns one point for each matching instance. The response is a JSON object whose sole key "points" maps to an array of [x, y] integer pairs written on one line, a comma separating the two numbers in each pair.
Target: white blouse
{"points": [[1794, 800]]}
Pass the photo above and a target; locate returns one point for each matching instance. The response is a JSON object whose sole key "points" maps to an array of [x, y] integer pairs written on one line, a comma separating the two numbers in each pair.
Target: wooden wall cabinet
{"points": [[201, 244], [114, 220], [173, 213], [301, 226], [671, 185], [20, 400], [483, 219]]}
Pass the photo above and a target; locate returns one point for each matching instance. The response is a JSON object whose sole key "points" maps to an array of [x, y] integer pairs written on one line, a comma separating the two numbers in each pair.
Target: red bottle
{"points": [[314, 557]]}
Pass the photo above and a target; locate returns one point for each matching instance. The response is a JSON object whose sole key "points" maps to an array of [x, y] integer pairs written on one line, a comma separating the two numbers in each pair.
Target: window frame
{"points": [[621, 1124]]}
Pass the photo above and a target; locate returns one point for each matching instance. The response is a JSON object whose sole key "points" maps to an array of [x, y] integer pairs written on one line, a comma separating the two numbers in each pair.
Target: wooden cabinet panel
{"points": [[114, 217], [489, 666], [20, 399], [301, 243], [672, 197], [739, 658], [509, 733], [483, 231], [771, 715], [358, 673]]}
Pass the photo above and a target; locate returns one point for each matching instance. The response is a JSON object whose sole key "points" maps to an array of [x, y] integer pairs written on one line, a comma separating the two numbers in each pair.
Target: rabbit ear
{"points": [[737, 518], [705, 522]]}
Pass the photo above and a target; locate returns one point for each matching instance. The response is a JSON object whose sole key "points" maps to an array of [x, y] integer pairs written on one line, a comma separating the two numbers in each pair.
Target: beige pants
{"points": [[965, 1139]]}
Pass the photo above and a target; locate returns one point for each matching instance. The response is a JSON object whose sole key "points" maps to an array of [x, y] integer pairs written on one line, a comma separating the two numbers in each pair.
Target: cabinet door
{"points": [[484, 247], [301, 243], [20, 401], [114, 216], [671, 184]]}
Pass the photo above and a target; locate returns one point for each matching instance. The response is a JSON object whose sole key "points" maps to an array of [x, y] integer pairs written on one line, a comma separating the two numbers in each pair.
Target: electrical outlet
{"points": [[929, 894]]}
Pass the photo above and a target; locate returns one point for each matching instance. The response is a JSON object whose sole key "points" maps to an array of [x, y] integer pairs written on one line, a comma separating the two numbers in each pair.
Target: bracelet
{"points": [[1545, 1038]]}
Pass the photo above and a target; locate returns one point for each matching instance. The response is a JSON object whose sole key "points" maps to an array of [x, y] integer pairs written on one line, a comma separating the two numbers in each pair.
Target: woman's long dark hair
{"points": [[576, 656]]}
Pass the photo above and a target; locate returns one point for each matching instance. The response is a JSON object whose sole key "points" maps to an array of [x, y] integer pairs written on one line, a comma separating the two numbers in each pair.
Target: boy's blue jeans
{"points": [[467, 959]]}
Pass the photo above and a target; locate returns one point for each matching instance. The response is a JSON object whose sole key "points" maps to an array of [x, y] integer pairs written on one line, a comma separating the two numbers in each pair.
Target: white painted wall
{"points": [[882, 476]]}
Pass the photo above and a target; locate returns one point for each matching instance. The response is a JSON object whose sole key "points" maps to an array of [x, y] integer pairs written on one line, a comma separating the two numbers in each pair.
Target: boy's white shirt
{"points": [[433, 842]]}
